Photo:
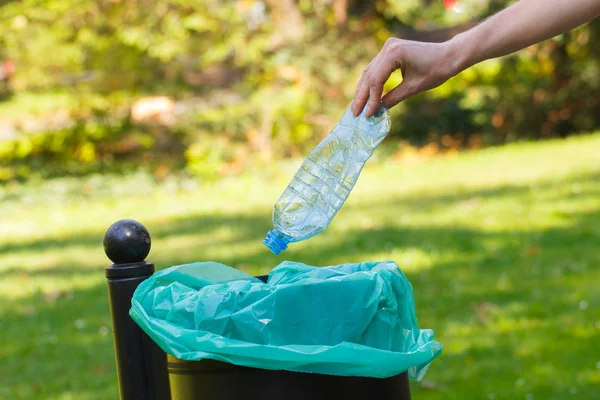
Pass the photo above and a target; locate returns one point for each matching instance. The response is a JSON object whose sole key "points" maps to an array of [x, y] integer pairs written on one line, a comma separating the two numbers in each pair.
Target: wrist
{"points": [[458, 54]]}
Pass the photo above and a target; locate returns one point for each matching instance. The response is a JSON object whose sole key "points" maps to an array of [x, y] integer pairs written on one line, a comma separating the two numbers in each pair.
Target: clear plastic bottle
{"points": [[326, 178]]}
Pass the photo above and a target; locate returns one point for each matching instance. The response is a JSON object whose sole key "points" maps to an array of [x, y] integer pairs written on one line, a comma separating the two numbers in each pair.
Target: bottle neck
{"points": [[274, 242]]}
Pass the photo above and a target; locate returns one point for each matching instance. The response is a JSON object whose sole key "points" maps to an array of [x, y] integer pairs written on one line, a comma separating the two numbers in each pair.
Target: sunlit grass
{"points": [[501, 247]]}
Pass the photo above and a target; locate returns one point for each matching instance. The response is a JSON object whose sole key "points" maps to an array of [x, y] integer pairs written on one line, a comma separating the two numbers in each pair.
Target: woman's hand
{"points": [[424, 66]]}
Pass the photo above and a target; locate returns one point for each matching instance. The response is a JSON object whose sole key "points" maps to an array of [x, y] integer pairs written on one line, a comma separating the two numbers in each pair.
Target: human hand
{"points": [[424, 66]]}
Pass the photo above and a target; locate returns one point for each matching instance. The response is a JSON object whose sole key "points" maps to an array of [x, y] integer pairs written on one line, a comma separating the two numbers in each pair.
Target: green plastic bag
{"points": [[351, 319]]}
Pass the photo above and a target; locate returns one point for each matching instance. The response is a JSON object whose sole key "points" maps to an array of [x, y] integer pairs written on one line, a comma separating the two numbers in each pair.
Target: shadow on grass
{"points": [[254, 227], [51, 349], [64, 346], [429, 201], [520, 318], [197, 225]]}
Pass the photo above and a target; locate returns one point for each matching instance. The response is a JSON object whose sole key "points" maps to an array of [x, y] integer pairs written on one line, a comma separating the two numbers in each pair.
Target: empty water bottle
{"points": [[326, 178]]}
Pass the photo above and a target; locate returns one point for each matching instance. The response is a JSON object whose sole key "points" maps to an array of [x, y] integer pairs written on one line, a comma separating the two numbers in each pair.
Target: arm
{"points": [[425, 66]]}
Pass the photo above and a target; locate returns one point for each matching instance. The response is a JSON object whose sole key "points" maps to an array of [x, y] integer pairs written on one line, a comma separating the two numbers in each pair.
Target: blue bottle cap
{"points": [[274, 243]]}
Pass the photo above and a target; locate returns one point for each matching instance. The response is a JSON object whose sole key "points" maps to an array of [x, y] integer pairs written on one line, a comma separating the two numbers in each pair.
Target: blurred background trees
{"points": [[212, 87]]}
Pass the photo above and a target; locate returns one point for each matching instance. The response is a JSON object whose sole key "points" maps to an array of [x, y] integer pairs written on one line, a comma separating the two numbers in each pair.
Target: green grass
{"points": [[501, 246]]}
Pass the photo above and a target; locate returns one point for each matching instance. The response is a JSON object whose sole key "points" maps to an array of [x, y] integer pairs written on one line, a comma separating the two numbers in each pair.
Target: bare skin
{"points": [[425, 66]]}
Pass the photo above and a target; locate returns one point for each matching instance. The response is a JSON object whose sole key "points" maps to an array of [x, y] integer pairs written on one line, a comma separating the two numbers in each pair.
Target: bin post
{"points": [[141, 364]]}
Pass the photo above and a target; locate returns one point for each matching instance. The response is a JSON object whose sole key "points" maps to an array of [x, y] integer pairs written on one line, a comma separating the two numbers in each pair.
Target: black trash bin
{"points": [[208, 379], [146, 373]]}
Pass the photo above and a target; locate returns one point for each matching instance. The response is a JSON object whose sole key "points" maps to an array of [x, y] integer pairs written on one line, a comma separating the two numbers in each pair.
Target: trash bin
{"points": [[214, 380], [209, 379], [146, 372]]}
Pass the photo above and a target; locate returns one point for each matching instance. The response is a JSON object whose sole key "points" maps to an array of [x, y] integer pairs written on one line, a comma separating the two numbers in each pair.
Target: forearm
{"points": [[524, 23]]}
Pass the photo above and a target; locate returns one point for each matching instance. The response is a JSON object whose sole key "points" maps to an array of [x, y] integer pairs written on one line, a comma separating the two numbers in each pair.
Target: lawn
{"points": [[501, 246]]}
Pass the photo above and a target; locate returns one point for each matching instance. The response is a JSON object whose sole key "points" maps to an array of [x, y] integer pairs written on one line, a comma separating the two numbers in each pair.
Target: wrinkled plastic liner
{"points": [[351, 319]]}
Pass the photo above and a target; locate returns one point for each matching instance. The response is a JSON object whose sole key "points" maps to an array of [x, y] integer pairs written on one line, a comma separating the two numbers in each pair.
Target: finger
{"points": [[362, 89], [363, 74], [357, 104], [398, 94], [378, 77], [355, 109]]}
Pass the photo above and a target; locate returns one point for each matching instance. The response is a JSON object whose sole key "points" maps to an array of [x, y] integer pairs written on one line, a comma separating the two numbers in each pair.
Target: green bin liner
{"points": [[353, 319]]}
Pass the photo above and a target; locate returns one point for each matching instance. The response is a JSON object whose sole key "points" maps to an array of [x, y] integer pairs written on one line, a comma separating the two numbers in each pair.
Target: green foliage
{"points": [[547, 90], [271, 79]]}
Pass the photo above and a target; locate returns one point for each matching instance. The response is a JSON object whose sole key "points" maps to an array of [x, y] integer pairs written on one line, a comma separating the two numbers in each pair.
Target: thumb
{"points": [[398, 94]]}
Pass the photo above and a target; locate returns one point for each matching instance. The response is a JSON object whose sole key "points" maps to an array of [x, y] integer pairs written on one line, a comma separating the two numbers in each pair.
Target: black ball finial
{"points": [[127, 241]]}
